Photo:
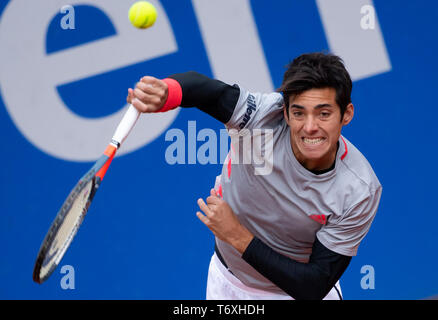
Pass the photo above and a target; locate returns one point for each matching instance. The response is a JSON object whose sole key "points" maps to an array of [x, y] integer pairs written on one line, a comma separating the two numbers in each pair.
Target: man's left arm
{"points": [[302, 281], [312, 280]]}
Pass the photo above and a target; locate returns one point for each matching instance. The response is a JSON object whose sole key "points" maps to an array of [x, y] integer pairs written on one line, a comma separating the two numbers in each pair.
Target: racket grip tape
{"points": [[125, 126]]}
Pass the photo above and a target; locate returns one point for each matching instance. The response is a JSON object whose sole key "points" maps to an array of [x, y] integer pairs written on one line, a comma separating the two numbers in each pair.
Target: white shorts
{"points": [[222, 285]]}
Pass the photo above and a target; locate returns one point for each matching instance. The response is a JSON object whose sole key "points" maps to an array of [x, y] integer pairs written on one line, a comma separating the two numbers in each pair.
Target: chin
{"points": [[316, 155], [315, 152]]}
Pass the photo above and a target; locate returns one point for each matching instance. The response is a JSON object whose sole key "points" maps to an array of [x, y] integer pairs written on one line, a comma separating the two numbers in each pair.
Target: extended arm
{"points": [[189, 89]]}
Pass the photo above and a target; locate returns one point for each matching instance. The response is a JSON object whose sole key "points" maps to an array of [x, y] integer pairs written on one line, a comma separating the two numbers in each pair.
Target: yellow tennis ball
{"points": [[142, 14]]}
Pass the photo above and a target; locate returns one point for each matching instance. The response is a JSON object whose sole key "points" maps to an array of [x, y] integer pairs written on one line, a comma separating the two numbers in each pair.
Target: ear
{"points": [[285, 113], [348, 114]]}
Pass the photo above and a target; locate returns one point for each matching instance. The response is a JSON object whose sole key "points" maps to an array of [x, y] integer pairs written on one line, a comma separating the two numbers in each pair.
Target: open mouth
{"points": [[313, 141]]}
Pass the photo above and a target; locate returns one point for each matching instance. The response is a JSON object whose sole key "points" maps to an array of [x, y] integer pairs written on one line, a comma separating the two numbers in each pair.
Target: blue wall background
{"points": [[141, 238]]}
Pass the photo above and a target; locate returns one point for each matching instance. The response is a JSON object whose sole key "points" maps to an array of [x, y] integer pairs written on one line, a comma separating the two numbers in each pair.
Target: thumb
{"points": [[130, 96]]}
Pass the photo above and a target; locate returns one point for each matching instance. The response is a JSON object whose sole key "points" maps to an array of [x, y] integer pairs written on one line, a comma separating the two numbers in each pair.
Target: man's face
{"points": [[315, 124]]}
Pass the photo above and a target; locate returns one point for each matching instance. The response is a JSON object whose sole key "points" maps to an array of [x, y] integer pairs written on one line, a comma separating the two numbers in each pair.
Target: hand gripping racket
{"points": [[73, 211]]}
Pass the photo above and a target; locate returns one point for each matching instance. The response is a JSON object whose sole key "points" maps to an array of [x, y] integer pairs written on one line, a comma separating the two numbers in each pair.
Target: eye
{"points": [[325, 114], [297, 114]]}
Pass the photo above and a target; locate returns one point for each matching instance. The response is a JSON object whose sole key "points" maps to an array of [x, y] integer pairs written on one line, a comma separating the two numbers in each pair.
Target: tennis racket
{"points": [[72, 212]]}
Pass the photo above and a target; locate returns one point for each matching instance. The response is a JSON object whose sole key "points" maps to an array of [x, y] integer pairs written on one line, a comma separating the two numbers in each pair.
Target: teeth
{"points": [[313, 141]]}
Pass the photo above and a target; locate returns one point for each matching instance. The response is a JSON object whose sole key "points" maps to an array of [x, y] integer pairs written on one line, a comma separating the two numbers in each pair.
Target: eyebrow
{"points": [[318, 106]]}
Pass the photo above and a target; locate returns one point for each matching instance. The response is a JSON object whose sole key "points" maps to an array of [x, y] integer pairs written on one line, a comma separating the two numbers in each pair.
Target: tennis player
{"points": [[289, 233]]}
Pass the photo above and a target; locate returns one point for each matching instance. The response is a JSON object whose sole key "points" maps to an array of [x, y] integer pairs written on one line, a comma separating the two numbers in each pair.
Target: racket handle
{"points": [[124, 128]]}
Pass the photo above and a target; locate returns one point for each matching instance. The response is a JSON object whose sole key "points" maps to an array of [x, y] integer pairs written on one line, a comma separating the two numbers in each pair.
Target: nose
{"points": [[311, 125]]}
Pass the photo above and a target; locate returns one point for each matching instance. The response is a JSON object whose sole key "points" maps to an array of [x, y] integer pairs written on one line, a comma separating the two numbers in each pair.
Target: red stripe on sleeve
{"points": [[174, 96]]}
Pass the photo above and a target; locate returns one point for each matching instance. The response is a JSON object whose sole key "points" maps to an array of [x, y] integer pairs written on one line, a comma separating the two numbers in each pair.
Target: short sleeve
{"points": [[256, 110], [344, 235]]}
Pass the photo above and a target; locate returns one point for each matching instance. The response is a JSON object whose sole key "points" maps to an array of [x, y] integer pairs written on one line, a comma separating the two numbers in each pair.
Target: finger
{"points": [[202, 205], [148, 79], [152, 101], [154, 86], [214, 193], [158, 95], [141, 95], [147, 88], [213, 200], [201, 217], [154, 82], [140, 106], [130, 95]]}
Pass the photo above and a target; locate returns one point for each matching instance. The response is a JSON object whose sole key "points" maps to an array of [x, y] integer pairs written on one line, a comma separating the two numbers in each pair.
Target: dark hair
{"points": [[317, 70]]}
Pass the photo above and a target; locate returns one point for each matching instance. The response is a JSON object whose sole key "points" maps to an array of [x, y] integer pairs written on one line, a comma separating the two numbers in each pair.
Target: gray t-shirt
{"points": [[285, 205]]}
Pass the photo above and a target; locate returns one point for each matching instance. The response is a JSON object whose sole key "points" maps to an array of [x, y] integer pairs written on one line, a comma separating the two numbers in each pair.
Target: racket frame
{"points": [[96, 175]]}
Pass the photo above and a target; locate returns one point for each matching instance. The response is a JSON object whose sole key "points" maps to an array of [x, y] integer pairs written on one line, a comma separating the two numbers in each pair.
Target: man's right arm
{"points": [[189, 89]]}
